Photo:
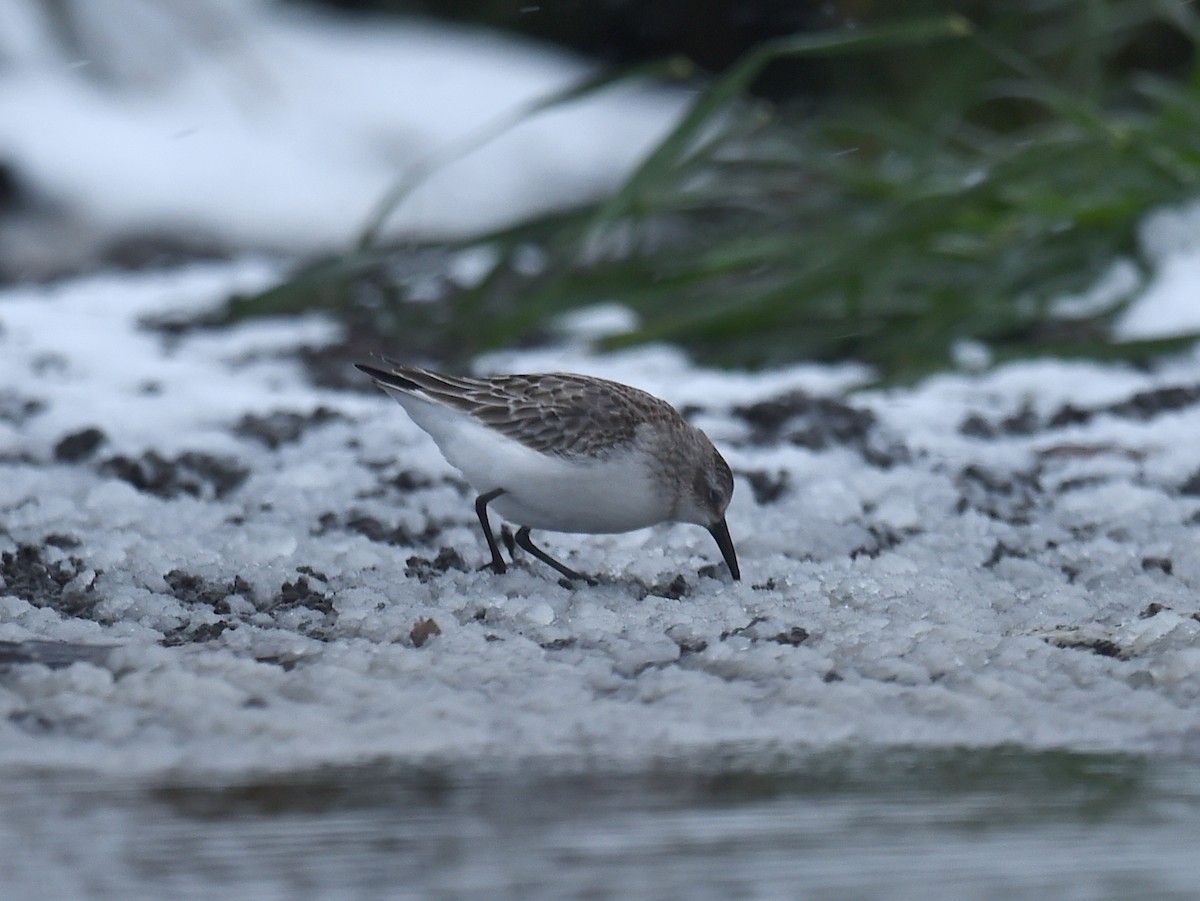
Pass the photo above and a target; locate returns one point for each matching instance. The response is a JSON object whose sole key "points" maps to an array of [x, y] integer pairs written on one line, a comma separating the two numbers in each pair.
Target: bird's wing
{"points": [[554, 413]]}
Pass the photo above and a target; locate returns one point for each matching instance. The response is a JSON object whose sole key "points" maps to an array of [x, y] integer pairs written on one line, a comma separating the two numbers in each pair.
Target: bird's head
{"points": [[706, 498]]}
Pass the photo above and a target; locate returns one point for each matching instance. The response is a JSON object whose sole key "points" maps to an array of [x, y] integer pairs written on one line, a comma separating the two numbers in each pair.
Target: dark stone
{"points": [[975, 426], [1101, 646], [424, 569], [810, 421], [16, 409], [287, 664], [1192, 486], [674, 590], [192, 473], [1142, 406], [190, 589], [795, 636], [244, 588], [1069, 415], [767, 488], [32, 723], [399, 536], [697, 646], [883, 538], [193, 590], [1010, 497], [1023, 422], [999, 552], [78, 445], [406, 480], [1148, 404], [423, 630], [27, 575], [818, 423], [197, 635], [301, 594], [1162, 564], [1066, 487], [282, 427], [1106, 648], [728, 633]]}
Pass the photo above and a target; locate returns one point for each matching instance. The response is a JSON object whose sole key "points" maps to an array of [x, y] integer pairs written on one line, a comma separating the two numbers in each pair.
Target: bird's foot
{"points": [[569, 582]]}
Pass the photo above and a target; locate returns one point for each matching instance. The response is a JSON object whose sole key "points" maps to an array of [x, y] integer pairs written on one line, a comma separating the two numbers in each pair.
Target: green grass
{"points": [[987, 170]]}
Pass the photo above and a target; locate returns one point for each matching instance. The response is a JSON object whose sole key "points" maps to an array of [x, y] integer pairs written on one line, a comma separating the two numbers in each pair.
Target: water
{"points": [[868, 824]]}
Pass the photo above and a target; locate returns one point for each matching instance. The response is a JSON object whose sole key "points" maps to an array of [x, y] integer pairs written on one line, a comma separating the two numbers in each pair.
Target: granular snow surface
{"points": [[210, 565]]}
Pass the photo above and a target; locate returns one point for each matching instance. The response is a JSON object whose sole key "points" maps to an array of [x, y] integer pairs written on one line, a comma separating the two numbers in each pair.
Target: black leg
{"points": [[481, 502], [524, 541], [506, 536]]}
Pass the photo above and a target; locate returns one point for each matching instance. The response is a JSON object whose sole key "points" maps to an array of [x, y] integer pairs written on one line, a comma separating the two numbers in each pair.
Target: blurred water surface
{"points": [[875, 823]]}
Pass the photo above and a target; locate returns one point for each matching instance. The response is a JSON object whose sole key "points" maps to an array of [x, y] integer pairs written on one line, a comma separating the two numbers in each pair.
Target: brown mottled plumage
{"points": [[596, 455], [555, 413]]}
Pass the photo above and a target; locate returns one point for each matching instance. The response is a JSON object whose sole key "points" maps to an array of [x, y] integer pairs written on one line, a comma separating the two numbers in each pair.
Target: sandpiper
{"points": [[568, 453]]}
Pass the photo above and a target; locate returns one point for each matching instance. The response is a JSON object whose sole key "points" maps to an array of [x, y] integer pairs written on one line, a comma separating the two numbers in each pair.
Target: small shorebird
{"points": [[568, 453]]}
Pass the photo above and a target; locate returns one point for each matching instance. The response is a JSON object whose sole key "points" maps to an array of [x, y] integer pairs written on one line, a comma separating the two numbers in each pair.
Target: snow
{"points": [[274, 127], [212, 566], [923, 582], [1169, 305]]}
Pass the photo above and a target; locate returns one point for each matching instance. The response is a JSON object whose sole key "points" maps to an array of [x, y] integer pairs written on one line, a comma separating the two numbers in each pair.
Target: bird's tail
{"points": [[386, 379]]}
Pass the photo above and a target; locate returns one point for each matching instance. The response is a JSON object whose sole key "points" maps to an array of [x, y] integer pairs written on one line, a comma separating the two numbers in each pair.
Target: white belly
{"points": [[615, 494]]}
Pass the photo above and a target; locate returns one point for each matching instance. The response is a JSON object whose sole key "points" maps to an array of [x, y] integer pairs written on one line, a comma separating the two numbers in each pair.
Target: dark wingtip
{"points": [[720, 532], [387, 379]]}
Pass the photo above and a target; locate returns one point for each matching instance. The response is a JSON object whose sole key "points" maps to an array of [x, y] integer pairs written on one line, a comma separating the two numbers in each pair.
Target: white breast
{"points": [[614, 494]]}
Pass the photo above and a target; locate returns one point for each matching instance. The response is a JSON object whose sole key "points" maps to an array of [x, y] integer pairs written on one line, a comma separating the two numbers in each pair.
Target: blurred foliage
{"points": [[991, 169], [714, 34]]}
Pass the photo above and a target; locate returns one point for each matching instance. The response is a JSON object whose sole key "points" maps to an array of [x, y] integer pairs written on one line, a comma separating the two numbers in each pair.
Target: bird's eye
{"points": [[714, 496]]}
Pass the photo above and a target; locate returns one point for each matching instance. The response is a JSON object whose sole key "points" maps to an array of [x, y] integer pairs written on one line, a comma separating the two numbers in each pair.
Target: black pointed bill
{"points": [[720, 532]]}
